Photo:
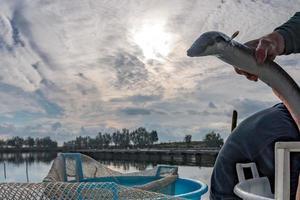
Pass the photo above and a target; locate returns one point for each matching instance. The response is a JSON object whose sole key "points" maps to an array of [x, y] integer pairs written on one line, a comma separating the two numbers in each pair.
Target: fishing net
{"points": [[74, 191], [79, 167]]}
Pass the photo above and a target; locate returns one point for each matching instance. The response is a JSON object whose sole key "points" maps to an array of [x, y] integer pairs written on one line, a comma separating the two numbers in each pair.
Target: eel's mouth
{"points": [[189, 53], [196, 50]]}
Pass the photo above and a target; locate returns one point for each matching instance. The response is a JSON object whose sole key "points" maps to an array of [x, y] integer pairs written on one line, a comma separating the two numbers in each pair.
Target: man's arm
{"points": [[284, 40], [290, 31]]}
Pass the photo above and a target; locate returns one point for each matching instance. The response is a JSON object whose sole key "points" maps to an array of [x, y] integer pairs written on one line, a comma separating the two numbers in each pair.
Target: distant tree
{"points": [[213, 139], [45, 142], [69, 144], [48, 142], [116, 138], [15, 142], [99, 141], [153, 137], [29, 141], [79, 142], [37, 142], [106, 140], [2, 143], [19, 142], [188, 139], [85, 142], [134, 137], [121, 139], [92, 143], [141, 137], [125, 138]]}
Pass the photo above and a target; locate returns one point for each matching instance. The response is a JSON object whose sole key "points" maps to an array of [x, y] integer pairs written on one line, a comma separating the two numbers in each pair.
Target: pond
{"points": [[14, 164]]}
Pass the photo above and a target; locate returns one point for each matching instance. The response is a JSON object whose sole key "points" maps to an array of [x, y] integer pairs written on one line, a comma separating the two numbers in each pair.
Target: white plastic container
{"points": [[256, 188]]}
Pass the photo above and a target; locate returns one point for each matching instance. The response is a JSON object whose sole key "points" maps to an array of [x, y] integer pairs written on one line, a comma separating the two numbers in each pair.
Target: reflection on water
{"points": [[21, 158], [205, 160], [127, 166], [14, 164]]}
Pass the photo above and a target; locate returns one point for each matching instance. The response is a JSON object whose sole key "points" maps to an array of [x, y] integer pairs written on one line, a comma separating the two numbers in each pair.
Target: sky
{"points": [[70, 68]]}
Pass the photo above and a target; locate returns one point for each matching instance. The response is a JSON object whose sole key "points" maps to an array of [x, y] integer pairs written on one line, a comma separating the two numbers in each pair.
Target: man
{"points": [[254, 139]]}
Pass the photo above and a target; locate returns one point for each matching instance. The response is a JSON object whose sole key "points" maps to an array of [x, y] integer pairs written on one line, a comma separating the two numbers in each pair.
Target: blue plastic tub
{"points": [[182, 187], [189, 188]]}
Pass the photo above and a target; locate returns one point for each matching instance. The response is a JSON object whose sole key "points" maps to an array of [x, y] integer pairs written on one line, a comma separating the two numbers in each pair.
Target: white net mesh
{"points": [[74, 191]]}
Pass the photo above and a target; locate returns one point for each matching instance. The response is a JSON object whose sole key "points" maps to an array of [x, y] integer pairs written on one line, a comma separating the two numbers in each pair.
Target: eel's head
{"points": [[209, 43]]}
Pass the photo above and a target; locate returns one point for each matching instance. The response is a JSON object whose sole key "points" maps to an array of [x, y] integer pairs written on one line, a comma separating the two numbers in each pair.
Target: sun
{"points": [[154, 41]]}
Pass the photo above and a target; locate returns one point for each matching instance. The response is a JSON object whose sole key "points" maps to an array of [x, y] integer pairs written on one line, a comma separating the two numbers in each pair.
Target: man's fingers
{"points": [[252, 78], [261, 55], [241, 72], [263, 50], [238, 71]]}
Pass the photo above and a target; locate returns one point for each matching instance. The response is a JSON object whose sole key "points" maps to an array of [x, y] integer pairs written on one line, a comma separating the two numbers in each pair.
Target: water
{"points": [[40, 163]]}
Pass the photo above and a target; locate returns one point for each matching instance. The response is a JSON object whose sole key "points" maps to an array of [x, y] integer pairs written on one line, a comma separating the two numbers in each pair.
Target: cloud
{"points": [[14, 99], [6, 129], [130, 70], [16, 33], [138, 98], [193, 112], [212, 105], [51, 108], [22, 26], [6, 41], [246, 107], [56, 126], [136, 111]]}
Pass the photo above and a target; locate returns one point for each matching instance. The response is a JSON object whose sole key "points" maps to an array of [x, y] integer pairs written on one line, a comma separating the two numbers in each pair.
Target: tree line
{"points": [[211, 139], [124, 138], [19, 142]]}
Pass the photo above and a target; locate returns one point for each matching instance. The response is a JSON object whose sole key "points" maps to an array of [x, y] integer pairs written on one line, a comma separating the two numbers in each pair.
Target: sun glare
{"points": [[154, 41]]}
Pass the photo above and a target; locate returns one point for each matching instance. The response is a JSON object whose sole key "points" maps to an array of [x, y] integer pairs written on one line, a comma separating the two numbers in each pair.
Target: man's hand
{"points": [[266, 47]]}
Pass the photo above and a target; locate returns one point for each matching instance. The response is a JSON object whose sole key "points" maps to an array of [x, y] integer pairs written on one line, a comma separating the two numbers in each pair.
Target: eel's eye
{"points": [[220, 39]]}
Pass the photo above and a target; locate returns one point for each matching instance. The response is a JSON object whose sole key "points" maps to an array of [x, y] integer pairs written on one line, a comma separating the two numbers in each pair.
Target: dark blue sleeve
{"points": [[291, 34]]}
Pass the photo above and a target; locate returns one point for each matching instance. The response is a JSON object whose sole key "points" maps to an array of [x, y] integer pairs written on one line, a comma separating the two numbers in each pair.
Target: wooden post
{"points": [[198, 158], [234, 120], [4, 169], [27, 172]]}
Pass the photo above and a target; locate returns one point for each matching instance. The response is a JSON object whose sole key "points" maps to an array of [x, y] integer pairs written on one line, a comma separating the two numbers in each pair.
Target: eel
{"points": [[236, 54]]}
